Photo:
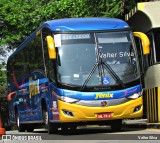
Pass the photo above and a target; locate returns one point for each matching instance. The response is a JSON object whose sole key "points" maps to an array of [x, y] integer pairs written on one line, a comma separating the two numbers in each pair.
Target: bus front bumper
{"points": [[78, 113]]}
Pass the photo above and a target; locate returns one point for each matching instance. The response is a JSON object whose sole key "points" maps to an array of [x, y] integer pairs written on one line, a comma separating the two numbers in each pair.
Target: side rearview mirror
{"points": [[51, 47], [145, 42]]}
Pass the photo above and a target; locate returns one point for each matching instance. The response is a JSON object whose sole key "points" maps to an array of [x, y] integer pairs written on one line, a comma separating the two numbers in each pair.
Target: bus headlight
{"points": [[68, 99], [135, 95]]}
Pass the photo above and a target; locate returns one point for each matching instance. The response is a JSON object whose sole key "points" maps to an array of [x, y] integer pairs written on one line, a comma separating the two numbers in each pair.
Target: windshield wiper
{"points": [[113, 74], [89, 75]]}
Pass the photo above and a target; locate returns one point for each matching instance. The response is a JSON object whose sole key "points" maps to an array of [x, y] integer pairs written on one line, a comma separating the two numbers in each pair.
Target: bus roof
{"points": [[77, 24]]}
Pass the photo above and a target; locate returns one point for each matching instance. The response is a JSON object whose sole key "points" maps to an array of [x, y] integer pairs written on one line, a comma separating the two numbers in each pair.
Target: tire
{"points": [[21, 127], [50, 127], [116, 125], [30, 128]]}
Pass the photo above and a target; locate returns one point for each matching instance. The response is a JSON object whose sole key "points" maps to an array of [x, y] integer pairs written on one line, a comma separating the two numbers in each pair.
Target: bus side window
{"points": [[35, 59]]}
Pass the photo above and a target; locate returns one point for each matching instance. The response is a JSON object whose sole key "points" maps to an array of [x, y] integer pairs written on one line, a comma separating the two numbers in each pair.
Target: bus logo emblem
{"points": [[104, 103]]}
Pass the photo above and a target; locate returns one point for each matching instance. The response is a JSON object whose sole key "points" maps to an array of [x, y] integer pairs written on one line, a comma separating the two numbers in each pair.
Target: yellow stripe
{"points": [[155, 105], [153, 109], [150, 108], [158, 104], [147, 104]]}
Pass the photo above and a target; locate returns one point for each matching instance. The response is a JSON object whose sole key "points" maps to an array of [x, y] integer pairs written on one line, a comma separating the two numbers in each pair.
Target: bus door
{"points": [[140, 57], [144, 63], [143, 51]]}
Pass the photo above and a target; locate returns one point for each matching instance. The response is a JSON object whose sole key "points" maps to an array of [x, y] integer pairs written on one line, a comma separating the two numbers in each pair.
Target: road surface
{"points": [[87, 134]]}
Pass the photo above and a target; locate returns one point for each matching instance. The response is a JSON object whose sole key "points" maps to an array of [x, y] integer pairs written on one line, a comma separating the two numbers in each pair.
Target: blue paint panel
{"points": [[100, 95], [81, 24]]}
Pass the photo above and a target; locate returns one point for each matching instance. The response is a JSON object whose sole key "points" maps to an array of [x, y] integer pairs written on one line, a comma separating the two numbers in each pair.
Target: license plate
{"points": [[104, 115]]}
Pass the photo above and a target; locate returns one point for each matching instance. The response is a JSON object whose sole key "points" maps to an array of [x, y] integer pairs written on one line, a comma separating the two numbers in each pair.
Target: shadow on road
{"points": [[91, 130], [86, 133]]}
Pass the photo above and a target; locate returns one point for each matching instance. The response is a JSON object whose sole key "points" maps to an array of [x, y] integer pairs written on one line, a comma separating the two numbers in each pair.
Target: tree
{"points": [[21, 17], [2, 74], [3, 99]]}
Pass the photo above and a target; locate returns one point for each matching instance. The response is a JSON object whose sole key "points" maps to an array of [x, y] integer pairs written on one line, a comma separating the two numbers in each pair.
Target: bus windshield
{"points": [[96, 59]]}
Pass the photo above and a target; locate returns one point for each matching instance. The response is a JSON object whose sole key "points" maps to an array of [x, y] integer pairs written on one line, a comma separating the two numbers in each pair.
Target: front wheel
{"points": [[116, 125], [51, 127]]}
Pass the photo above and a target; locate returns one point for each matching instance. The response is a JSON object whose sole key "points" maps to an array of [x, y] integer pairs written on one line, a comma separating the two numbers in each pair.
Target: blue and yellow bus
{"points": [[76, 71]]}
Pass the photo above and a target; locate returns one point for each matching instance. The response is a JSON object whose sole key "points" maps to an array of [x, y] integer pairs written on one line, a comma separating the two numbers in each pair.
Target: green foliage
{"points": [[3, 106], [113, 8], [21, 17], [2, 92], [2, 75], [3, 99]]}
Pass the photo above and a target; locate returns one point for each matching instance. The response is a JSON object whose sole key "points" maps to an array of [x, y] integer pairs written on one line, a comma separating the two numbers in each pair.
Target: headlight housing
{"points": [[135, 95], [68, 99]]}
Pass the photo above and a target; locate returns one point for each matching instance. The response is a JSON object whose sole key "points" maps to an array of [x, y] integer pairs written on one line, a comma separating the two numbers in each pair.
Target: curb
{"points": [[145, 125]]}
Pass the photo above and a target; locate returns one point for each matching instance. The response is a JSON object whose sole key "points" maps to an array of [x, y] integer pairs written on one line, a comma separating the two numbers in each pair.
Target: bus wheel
{"points": [[30, 128], [51, 127], [21, 127], [116, 125]]}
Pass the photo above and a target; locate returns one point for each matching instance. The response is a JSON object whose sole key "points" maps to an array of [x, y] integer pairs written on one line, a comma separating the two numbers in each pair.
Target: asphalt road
{"points": [[87, 134]]}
